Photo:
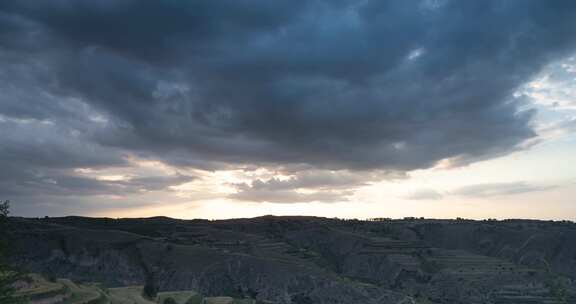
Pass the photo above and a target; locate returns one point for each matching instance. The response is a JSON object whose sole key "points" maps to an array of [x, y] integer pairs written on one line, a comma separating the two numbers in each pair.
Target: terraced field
{"points": [[526, 294], [402, 253], [38, 290], [479, 278], [390, 246], [463, 263]]}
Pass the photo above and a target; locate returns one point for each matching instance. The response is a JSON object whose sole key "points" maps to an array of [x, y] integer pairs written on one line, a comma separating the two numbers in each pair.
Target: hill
{"points": [[311, 259]]}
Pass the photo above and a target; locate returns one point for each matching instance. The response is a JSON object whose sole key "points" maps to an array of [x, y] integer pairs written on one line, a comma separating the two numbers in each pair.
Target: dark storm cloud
{"points": [[332, 84], [30, 184], [38, 160], [154, 30], [63, 183], [393, 85]]}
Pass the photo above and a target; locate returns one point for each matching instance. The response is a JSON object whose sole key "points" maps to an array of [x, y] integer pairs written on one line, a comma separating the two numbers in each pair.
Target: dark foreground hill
{"points": [[312, 260]]}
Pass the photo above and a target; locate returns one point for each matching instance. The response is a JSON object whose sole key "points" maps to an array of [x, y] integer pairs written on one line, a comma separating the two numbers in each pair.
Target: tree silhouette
{"points": [[150, 290], [8, 276]]}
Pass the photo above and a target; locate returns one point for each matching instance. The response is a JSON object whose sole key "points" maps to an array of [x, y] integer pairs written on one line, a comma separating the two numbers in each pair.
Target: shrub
{"points": [[195, 299], [169, 300]]}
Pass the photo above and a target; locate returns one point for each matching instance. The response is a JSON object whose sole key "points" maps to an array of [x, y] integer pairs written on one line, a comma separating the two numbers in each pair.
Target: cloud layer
{"points": [[322, 85], [483, 190]]}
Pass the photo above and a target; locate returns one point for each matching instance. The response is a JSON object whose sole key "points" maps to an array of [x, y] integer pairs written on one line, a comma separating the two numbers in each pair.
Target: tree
{"points": [[8, 276], [150, 290], [4, 210]]}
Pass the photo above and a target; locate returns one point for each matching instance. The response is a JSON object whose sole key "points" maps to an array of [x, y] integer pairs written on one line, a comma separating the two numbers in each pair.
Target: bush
{"points": [[169, 300], [195, 299]]}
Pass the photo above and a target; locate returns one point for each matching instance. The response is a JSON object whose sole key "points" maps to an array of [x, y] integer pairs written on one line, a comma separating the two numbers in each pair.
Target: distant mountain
{"points": [[312, 260]]}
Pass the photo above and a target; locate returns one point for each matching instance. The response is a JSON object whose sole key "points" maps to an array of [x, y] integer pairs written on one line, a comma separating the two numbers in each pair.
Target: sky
{"points": [[338, 108]]}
